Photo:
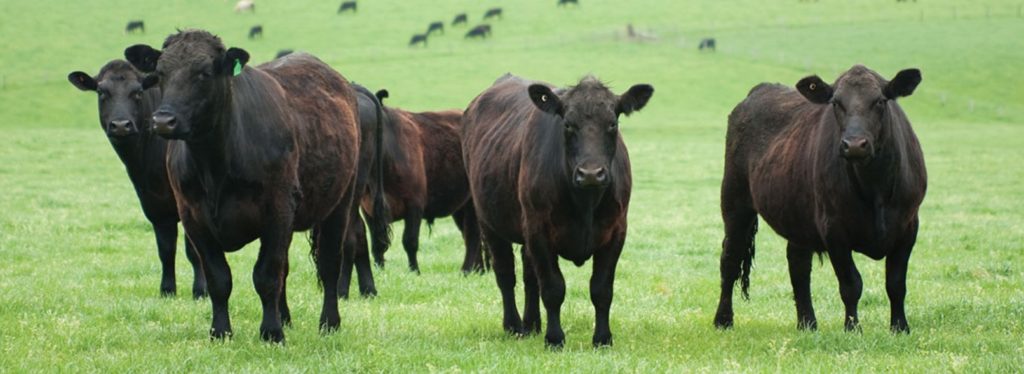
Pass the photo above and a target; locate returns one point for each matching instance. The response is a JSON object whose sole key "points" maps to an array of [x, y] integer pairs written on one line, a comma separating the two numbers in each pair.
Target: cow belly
{"points": [[235, 223]]}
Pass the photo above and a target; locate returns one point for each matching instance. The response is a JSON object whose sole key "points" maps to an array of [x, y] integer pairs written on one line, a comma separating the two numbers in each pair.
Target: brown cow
{"points": [[548, 169], [424, 178], [261, 152], [833, 169]]}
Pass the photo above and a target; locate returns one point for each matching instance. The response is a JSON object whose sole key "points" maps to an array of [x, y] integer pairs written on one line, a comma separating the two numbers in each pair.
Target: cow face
{"points": [[195, 79], [589, 113], [860, 101], [119, 89]]}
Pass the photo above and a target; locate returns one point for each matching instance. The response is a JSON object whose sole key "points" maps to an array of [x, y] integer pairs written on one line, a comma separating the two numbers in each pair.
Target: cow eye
{"points": [[203, 76], [614, 126], [103, 94], [837, 105], [880, 103], [571, 127], [137, 95]]}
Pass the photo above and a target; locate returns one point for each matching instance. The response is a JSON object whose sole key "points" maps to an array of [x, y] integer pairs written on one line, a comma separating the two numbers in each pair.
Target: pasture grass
{"points": [[79, 273]]}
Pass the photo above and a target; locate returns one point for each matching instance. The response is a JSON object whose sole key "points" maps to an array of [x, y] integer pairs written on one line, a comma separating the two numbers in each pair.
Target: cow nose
{"points": [[164, 122], [120, 127], [854, 147], [591, 177]]}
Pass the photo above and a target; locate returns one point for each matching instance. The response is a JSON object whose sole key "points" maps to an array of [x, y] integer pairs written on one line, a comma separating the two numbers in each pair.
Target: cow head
{"points": [[195, 72], [859, 101], [589, 113], [119, 89]]}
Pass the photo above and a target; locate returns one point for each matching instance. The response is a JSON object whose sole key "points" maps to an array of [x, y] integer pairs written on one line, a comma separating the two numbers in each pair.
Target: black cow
{"points": [[832, 169], [435, 26], [258, 155], [460, 19], [493, 12], [126, 102], [480, 31], [567, 2], [347, 5], [135, 25], [548, 169], [256, 31], [283, 52], [707, 43], [418, 39]]}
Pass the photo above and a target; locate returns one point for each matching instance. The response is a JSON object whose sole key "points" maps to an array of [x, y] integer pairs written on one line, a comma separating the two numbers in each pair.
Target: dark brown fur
{"points": [[529, 156], [262, 154], [786, 160]]}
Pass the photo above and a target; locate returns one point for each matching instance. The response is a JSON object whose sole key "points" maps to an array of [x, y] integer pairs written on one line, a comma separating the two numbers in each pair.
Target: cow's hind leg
{"points": [[896, 280], [361, 254], [411, 236], [531, 307], [737, 247], [602, 282], [198, 277], [268, 276], [552, 286], [327, 254], [850, 285], [800, 277], [504, 265], [466, 221], [166, 236]]}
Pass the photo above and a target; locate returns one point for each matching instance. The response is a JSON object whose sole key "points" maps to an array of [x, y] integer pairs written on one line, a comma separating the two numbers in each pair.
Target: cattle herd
{"points": [[237, 153]]}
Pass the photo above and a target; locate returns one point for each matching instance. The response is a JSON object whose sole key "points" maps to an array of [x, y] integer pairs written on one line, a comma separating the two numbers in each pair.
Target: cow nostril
{"points": [[601, 174], [164, 119], [861, 143]]}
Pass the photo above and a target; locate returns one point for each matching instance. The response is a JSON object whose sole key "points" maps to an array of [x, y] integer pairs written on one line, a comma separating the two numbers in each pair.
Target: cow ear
{"points": [[150, 80], [814, 89], [546, 100], [234, 60], [634, 99], [903, 84], [82, 80], [143, 57]]}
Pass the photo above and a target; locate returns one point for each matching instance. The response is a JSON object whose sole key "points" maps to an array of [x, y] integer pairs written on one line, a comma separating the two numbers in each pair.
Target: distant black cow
{"points": [[548, 169], [460, 19], [707, 43], [480, 31], [256, 31], [251, 162], [135, 25], [567, 2], [832, 169], [493, 12], [418, 39], [283, 52], [347, 5], [435, 26], [127, 99]]}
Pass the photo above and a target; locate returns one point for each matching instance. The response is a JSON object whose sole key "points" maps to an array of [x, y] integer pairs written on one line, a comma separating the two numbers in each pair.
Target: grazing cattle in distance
{"points": [[479, 31], [346, 6], [256, 31], [435, 26], [245, 5], [135, 25], [832, 169], [127, 99], [493, 12], [707, 43], [418, 39], [283, 52], [424, 179], [567, 2], [460, 19], [250, 162], [548, 169]]}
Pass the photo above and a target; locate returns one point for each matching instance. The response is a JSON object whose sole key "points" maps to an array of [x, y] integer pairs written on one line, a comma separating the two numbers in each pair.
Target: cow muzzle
{"points": [[855, 148], [164, 122], [121, 128], [590, 177]]}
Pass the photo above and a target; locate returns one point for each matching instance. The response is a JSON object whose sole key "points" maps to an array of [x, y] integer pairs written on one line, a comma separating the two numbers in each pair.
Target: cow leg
{"points": [[504, 264], [331, 233], [268, 276], [166, 236], [896, 280], [361, 254], [552, 287], [282, 303], [737, 252], [218, 275], [347, 265], [800, 278], [531, 307], [468, 225], [411, 236], [602, 281], [198, 277], [850, 285]]}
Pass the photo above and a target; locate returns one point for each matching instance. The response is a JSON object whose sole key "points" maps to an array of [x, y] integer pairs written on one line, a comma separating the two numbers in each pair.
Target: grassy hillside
{"points": [[79, 276]]}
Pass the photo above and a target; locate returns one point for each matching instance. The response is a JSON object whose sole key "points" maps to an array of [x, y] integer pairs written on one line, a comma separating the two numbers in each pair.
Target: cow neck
{"points": [[209, 148], [135, 155]]}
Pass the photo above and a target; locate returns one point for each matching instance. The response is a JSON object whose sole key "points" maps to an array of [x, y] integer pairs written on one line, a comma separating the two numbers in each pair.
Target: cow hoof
{"points": [[343, 295], [274, 335], [554, 343], [723, 322], [220, 335], [852, 325], [199, 293], [807, 325], [368, 293], [168, 291], [899, 327], [513, 327], [602, 340], [531, 326]]}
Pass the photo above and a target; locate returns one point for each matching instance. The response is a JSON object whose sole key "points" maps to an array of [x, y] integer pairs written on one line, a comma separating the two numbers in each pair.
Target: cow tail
{"points": [[746, 261], [380, 225], [314, 250]]}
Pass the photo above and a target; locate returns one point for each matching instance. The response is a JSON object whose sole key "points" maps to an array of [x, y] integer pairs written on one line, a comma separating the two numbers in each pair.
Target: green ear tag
{"points": [[238, 68]]}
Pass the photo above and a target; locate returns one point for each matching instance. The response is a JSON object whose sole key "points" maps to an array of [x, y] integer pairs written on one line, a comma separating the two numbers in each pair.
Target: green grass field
{"points": [[79, 274]]}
